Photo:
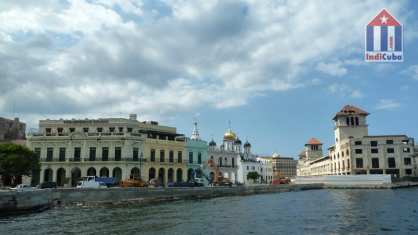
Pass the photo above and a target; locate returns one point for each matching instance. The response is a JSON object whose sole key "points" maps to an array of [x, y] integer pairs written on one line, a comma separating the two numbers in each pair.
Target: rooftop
{"points": [[350, 110]]}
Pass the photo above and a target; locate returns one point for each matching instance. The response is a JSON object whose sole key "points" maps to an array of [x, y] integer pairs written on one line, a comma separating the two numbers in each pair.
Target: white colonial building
{"points": [[235, 160], [357, 152], [311, 160]]}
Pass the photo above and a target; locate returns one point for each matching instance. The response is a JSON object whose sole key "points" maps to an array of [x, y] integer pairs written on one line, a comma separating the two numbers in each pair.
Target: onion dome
{"points": [[230, 135], [238, 141], [247, 144], [212, 143]]}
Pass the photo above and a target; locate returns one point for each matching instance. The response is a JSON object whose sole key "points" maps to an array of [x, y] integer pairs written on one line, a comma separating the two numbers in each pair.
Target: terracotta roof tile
{"points": [[349, 110], [314, 141]]}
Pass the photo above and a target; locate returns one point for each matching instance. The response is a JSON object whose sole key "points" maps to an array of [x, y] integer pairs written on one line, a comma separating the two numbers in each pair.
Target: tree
{"points": [[16, 161], [253, 175]]}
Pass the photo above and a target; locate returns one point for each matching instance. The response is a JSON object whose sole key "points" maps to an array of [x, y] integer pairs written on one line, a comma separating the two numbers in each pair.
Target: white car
{"points": [[90, 182], [23, 188]]}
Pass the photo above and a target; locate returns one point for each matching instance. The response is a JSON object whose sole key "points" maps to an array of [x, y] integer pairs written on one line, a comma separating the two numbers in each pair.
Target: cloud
{"points": [[412, 71], [387, 104], [344, 90], [333, 69], [98, 57]]}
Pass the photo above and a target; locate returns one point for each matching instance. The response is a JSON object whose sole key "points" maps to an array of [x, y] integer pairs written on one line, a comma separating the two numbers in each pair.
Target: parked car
{"points": [[23, 188], [48, 185], [90, 182], [185, 184]]}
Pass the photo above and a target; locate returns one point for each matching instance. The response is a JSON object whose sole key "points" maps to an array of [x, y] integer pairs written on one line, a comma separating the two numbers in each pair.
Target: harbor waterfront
{"points": [[342, 212]]}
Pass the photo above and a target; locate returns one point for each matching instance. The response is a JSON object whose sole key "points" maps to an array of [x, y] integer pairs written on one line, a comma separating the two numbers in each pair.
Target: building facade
{"points": [[356, 152], [284, 166], [110, 147], [225, 157], [311, 160], [197, 155]]}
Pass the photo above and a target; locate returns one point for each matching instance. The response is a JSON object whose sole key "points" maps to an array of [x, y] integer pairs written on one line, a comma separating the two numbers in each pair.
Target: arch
{"points": [[75, 176], [190, 174], [170, 175], [117, 174], [161, 175], [232, 178], [211, 176], [179, 175], [135, 173], [104, 172], [61, 177], [151, 173], [48, 173], [198, 173], [91, 171]]}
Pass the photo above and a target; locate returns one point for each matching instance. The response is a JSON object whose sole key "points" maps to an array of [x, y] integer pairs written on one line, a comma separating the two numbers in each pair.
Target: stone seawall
{"points": [[20, 202], [117, 195]]}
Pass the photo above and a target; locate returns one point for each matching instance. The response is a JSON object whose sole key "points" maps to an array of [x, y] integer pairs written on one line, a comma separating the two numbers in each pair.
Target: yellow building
{"points": [[165, 156]]}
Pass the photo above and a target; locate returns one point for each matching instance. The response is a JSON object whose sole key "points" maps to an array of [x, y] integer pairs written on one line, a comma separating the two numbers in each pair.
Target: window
{"points": [[60, 130], [373, 143], [357, 143], [389, 141], [152, 155], [352, 121], [49, 154], [135, 156], [405, 141], [48, 131], [180, 156], [190, 157], [407, 161], [233, 162], [162, 156], [72, 129], [375, 162], [248, 168], [390, 150], [99, 130], [77, 154], [408, 171], [120, 129], [62, 155], [171, 156], [359, 151], [374, 151], [86, 129], [199, 158], [391, 162], [347, 121], [359, 162], [357, 121], [38, 152], [92, 154], [118, 153], [111, 129], [406, 150], [105, 153], [129, 129]]}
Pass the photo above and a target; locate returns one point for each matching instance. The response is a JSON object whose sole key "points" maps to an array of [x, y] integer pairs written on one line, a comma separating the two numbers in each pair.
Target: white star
{"points": [[384, 19]]}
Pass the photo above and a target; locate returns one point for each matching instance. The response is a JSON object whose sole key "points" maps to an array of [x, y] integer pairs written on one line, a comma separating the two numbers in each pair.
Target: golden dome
{"points": [[229, 135]]}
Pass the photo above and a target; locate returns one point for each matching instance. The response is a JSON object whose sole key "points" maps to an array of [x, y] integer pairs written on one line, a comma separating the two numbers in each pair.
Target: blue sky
{"points": [[278, 70]]}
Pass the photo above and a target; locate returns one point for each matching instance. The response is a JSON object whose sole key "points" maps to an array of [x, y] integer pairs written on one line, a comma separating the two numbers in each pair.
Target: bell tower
{"points": [[350, 122]]}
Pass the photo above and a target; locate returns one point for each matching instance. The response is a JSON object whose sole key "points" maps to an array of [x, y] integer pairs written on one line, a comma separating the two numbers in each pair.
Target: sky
{"points": [[277, 70]]}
